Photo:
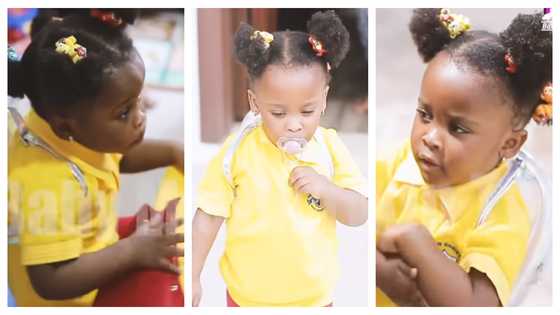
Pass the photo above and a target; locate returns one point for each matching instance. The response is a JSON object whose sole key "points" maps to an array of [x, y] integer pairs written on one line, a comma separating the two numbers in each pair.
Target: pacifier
{"points": [[291, 146]]}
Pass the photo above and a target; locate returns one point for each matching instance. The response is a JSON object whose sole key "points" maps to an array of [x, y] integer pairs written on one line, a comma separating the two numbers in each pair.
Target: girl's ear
{"points": [[513, 143], [62, 126], [326, 94], [252, 101]]}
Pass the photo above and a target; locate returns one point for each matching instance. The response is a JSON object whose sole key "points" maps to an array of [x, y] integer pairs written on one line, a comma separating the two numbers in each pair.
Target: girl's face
{"points": [[290, 100], [463, 125], [117, 119]]}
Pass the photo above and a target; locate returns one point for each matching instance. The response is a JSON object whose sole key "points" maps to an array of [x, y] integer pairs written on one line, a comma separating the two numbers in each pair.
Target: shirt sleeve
{"points": [[44, 204], [346, 172], [215, 191], [498, 247], [385, 169]]}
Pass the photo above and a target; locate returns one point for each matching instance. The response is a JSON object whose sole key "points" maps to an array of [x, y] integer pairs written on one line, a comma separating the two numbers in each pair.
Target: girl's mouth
{"points": [[427, 163], [138, 139], [291, 145]]}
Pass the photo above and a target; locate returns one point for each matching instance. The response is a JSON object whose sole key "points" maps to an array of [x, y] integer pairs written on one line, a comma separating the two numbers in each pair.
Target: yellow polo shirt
{"points": [[50, 219], [496, 248], [279, 251]]}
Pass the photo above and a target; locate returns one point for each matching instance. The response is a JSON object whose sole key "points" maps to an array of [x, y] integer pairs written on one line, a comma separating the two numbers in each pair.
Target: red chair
{"points": [[147, 287]]}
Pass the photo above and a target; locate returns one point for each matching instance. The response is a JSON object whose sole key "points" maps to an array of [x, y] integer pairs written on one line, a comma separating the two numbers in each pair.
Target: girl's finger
{"points": [[174, 251], [167, 265], [173, 239]]}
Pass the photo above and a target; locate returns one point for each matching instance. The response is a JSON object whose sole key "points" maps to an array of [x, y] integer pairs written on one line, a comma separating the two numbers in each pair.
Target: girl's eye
{"points": [[458, 129], [278, 114], [124, 115], [308, 112], [424, 115]]}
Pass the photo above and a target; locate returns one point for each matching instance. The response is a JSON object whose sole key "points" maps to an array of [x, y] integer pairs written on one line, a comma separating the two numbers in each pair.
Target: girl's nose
{"points": [[140, 118], [294, 125], [432, 139]]}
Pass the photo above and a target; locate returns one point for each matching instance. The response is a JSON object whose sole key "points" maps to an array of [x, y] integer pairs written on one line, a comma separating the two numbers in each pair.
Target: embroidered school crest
{"points": [[450, 251], [315, 203]]}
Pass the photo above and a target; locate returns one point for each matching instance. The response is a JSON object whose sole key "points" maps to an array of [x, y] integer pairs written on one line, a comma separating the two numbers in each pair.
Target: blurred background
{"points": [[158, 36], [220, 103], [399, 71]]}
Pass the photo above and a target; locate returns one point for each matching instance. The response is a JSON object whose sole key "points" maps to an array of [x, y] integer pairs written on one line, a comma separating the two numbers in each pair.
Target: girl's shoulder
{"points": [[31, 164]]}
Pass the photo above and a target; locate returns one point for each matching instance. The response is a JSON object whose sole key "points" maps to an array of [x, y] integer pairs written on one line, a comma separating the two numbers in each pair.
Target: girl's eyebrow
{"points": [[423, 104], [117, 107], [276, 106], [455, 117], [462, 119], [126, 101]]}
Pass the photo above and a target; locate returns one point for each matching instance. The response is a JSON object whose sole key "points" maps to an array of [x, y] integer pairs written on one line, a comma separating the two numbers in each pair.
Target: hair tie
{"points": [[70, 47], [106, 17], [543, 113], [317, 46], [511, 66], [456, 24], [266, 37]]}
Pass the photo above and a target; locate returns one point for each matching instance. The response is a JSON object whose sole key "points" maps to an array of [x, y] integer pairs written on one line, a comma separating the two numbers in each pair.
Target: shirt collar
{"points": [[102, 165], [456, 200]]}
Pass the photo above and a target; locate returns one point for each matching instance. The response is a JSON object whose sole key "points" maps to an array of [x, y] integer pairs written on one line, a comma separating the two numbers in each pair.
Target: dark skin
{"points": [[290, 101], [415, 245], [452, 131], [453, 140], [148, 247], [114, 123], [397, 280]]}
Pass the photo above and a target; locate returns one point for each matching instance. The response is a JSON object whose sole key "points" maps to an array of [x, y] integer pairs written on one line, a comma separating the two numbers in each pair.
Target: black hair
{"points": [[484, 52], [51, 81], [292, 47]]}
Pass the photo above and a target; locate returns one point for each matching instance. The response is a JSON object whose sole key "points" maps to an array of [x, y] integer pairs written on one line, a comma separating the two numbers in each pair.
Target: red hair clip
{"points": [[511, 67], [106, 17], [317, 46]]}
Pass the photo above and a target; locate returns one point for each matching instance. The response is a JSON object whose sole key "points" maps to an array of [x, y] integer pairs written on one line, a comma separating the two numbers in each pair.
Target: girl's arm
{"points": [[146, 248], [397, 280], [348, 206], [205, 227], [151, 154], [441, 281]]}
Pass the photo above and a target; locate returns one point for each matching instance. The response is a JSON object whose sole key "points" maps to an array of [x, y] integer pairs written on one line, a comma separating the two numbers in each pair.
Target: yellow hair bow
{"points": [[266, 37], [456, 24], [69, 46]]}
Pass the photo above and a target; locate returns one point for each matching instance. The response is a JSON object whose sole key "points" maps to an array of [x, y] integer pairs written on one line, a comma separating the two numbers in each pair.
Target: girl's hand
{"points": [[151, 247], [196, 292], [403, 235], [305, 179], [398, 280]]}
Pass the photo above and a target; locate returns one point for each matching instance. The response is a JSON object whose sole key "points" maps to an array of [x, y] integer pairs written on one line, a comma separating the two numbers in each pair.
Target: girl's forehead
{"points": [[445, 82], [280, 80], [125, 82]]}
